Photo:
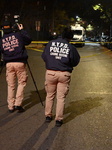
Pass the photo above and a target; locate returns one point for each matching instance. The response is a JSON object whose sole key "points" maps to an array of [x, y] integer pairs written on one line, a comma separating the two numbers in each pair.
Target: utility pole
{"points": [[111, 25]]}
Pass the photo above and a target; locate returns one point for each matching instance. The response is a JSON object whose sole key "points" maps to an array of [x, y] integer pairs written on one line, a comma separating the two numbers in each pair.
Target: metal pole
{"points": [[35, 84], [2, 66], [1, 69]]}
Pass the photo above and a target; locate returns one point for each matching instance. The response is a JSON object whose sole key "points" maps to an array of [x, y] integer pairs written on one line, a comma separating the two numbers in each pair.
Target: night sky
{"points": [[33, 8], [71, 6]]}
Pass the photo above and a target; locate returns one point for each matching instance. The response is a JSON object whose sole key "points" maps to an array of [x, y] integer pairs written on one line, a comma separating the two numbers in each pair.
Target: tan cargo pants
{"points": [[15, 70], [56, 84]]}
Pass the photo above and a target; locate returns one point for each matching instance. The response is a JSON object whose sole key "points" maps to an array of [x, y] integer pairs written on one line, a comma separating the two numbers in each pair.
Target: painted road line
{"points": [[34, 42], [35, 49], [38, 50], [42, 42], [95, 54]]}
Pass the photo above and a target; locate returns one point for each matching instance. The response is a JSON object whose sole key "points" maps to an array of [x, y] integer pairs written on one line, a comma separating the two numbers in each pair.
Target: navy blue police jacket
{"points": [[60, 55], [12, 45]]}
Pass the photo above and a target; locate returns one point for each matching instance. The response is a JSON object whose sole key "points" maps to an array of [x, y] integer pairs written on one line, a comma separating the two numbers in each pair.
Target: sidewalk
{"points": [[35, 45], [87, 116]]}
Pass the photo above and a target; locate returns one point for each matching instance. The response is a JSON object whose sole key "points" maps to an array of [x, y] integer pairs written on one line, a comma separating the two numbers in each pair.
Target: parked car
{"points": [[104, 40], [109, 43]]}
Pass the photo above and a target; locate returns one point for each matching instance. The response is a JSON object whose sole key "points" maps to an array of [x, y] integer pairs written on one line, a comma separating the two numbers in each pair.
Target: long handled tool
{"points": [[35, 84], [2, 66]]}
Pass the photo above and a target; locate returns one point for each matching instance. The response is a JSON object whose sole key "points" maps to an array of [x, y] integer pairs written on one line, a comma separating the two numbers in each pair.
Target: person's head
{"points": [[67, 34], [7, 27]]}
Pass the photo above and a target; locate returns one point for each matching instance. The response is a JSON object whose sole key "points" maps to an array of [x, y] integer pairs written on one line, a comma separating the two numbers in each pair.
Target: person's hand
{"points": [[20, 26]]}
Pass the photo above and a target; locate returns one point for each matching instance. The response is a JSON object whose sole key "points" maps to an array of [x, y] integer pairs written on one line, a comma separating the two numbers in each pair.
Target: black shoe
{"points": [[59, 123], [20, 109], [11, 110], [48, 119]]}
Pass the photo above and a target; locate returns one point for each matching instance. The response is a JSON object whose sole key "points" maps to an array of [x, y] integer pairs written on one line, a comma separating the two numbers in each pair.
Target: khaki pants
{"points": [[56, 83], [13, 70]]}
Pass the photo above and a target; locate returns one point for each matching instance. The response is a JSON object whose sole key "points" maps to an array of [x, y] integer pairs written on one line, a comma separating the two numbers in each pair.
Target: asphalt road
{"points": [[88, 110]]}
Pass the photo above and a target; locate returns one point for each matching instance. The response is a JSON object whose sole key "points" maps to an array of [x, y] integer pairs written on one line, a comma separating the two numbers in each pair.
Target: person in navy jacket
{"points": [[12, 46], [60, 57]]}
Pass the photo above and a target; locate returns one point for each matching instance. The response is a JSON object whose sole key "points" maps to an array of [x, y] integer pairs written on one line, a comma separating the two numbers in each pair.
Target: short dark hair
{"points": [[67, 33], [6, 24], [7, 27]]}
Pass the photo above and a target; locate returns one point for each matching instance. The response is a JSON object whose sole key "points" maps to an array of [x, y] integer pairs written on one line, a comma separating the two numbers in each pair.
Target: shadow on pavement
{"points": [[34, 99], [80, 107], [7, 118], [28, 145], [4, 115], [28, 103], [47, 143]]}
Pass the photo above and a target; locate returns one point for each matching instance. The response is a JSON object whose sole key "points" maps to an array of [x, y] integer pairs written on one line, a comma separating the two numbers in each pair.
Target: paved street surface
{"points": [[88, 110]]}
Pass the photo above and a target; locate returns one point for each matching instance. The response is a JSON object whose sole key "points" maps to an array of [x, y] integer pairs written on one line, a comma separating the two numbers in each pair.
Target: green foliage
{"points": [[61, 20]]}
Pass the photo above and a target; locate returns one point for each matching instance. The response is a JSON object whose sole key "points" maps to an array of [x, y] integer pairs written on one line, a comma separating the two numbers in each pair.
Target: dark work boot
{"points": [[48, 119], [12, 110], [20, 109], [59, 123]]}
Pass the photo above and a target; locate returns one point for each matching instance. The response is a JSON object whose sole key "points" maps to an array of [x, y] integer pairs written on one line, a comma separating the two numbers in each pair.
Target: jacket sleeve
{"points": [[44, 52], [43, 55], [26, 38], [1, 47], [74, 56]]}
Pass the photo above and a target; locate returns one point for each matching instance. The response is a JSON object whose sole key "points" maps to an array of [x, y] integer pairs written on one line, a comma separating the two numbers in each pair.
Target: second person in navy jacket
{"points": [[60, 57]]}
